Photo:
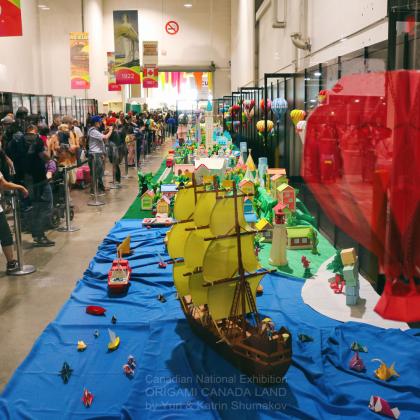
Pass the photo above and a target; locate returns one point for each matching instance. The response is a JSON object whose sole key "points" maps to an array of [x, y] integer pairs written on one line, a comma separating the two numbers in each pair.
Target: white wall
{"points": [[55, 27], [19, 56], [328, 21], [242, 43], [39, 62]]}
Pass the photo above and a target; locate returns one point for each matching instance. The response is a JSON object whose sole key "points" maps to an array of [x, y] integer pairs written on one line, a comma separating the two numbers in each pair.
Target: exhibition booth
{"points": [[269, 268]]}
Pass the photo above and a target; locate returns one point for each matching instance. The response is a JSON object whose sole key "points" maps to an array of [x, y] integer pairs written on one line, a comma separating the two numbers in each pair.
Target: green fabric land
{"points": [[294, 267], [134, 211]]}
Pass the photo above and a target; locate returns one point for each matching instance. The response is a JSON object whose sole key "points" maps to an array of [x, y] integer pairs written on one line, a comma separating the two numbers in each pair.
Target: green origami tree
{"points": [[336, 265], [313, 235]]}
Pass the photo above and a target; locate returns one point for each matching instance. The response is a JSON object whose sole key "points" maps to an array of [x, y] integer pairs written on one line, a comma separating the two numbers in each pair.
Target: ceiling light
{"points": [[42, 6], [317, 74], [188, 5], [45, 8]]}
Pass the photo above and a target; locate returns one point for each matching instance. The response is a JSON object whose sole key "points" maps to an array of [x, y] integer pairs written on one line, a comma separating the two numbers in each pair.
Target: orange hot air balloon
{"points": [[261, 126], [297, 115]]}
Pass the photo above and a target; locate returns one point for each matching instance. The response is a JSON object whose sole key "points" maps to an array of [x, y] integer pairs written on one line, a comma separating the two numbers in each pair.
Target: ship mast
{"points": [[242, 294]]}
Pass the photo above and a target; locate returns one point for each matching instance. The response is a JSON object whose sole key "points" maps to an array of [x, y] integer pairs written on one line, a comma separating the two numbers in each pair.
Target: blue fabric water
{"points": [[178, 376]]}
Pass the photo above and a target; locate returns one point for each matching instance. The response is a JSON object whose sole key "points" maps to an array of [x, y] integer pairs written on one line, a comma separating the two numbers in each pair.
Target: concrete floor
{"points": [[29, 303]]}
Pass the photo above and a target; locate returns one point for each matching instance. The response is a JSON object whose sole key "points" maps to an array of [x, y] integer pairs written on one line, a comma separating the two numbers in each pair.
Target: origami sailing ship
{"points": [[216, 273]]}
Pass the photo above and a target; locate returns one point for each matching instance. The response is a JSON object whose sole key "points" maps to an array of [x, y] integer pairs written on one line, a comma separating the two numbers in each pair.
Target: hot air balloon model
{"points": [[235, 109], [322, 96], [249, 110], [297, 115], [279, 108], [262, 105], [261, 127], [301, 130]]}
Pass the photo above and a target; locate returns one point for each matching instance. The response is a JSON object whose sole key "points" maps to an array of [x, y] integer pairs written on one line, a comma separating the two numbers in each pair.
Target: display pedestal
{"points": [[278, 253]]}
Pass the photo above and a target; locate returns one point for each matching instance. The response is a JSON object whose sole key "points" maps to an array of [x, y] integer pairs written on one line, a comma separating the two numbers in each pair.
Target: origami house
{"points": [[266, 228], [146, 200], [168, 190], [299, 237], [286, 194], [186, 169], [209, 166], [249, 212], [163, 206], [247, 187]]}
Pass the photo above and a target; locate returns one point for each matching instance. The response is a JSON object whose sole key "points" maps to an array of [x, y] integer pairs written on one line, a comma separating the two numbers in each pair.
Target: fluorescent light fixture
{"points": [[307, 78], [188, 5], [312, 100], [317, 74]]}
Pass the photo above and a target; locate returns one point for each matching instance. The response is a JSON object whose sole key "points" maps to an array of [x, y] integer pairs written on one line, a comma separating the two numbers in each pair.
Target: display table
{"points": [[177, 375]]}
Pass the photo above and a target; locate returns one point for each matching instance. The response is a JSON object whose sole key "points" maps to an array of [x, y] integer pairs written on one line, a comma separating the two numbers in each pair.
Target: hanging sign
{"points": [[150, 77], [79, 59], [150, 64], [112, 81], [126, 40], [10, 18], [172, 27]]}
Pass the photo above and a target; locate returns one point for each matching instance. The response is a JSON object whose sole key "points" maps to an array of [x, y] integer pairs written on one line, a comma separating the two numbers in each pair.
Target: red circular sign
{"points": [[172, 27]]}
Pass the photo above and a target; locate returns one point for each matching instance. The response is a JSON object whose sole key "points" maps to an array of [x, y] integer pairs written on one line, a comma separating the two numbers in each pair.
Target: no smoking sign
{"points": [[172, 27]]}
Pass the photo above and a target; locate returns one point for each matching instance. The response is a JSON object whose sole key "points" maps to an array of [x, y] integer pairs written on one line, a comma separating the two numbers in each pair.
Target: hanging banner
{"points": [[150, 64], [79, 59], [10, 18], [126, 39], [150, 77], [112, 81]]}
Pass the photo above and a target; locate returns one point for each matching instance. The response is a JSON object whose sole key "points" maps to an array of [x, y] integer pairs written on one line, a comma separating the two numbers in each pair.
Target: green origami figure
{"points": [[303, 338], [355, 346], [65, 372]]}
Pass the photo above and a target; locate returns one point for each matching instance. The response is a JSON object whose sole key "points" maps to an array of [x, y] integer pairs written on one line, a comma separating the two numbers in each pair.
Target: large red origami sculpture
{"points": [[362, 162]]}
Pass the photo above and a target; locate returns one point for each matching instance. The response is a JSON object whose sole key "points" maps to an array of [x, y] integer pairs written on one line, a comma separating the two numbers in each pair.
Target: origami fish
{"points": [[384, 372], [356, 363], [81, 346], [65, 372], [87, 398], [305, 338], [95, 310], [355, 346], [128, 370], [381, 406]]}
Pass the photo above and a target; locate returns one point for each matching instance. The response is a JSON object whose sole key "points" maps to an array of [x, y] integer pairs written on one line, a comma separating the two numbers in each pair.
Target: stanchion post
{"points": [[23, 269], [95, 201], [68, 227]]}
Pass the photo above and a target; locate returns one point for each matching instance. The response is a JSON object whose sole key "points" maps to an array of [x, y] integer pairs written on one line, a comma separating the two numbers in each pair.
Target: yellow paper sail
{"points": [[220, 297], [124, 247], [181, 282], [222, 219], [184, 204], [196, 247], [177, 237], [221, 258], [203, 209], [197, 291]]}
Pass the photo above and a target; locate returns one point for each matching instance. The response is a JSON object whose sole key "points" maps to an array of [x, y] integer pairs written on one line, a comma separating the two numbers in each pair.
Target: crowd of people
{"points": [[32, 153]]}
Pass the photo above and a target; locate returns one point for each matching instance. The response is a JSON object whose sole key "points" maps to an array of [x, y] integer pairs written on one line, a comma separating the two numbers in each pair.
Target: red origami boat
{"points": [[119, 276]]}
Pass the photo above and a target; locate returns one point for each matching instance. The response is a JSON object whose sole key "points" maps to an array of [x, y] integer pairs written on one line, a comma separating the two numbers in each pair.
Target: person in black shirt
{"points": [[39, 189]]}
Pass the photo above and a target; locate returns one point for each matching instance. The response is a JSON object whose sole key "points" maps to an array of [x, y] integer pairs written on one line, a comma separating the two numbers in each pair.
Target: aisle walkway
{"points": [[29, 303]]}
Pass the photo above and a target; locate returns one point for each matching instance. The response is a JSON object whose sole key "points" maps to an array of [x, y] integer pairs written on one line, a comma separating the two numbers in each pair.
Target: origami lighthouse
{"points": [[209, 125], [278, 255]]}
